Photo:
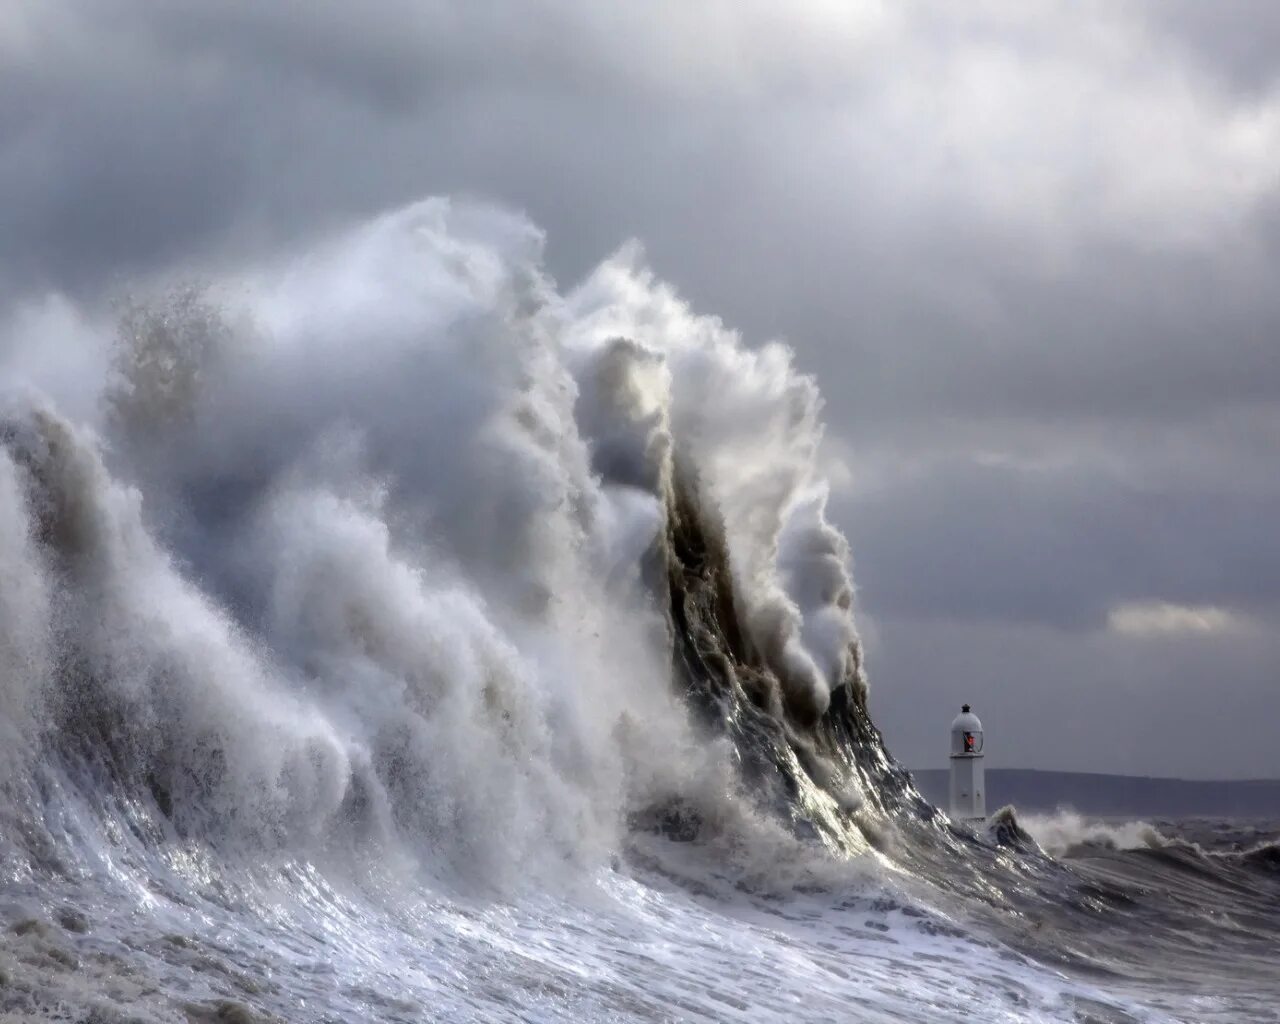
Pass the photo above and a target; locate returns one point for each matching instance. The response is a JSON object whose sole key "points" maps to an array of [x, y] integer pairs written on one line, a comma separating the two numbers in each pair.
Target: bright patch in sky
{"points": [[1160, 618]]}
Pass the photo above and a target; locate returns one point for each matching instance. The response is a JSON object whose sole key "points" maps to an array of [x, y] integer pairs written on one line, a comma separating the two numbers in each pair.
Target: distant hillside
{"points": [[1030, 790]]}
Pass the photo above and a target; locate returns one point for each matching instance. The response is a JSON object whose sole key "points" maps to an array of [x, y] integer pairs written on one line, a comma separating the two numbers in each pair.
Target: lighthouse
{"points": [[968, 787]]}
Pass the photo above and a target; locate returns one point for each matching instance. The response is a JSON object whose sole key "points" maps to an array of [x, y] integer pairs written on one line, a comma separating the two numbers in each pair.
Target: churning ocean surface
{"points": [[398, 638]]}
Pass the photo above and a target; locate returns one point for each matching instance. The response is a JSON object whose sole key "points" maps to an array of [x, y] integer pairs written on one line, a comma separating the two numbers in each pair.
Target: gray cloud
{"points": [[970, 541], [1237, 42], [1030, 254]]}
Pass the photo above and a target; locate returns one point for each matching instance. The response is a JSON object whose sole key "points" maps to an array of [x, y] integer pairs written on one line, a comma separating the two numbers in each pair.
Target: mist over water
{"points": [[397, 635]]}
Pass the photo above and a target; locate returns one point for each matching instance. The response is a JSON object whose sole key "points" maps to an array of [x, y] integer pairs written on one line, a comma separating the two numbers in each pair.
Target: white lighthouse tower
{"points": [[968, 787]]}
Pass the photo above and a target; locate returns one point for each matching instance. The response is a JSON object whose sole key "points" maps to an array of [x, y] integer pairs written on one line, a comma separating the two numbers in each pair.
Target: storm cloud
{"points": [[1029, 252]]}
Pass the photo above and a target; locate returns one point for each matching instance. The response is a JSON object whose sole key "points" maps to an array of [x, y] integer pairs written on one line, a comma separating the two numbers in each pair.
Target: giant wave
{"points": [[403, 638]]}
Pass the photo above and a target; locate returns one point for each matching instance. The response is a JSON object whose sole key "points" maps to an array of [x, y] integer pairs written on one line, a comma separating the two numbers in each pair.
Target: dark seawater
{"points": [[1186, 912], [407, 640]]}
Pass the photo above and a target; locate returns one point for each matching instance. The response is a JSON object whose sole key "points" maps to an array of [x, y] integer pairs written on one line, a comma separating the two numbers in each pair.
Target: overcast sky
{"points": [[1031, 251]]}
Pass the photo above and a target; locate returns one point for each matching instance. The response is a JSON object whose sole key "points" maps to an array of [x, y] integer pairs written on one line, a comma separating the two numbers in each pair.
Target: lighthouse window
{"points": [[969, 747]]}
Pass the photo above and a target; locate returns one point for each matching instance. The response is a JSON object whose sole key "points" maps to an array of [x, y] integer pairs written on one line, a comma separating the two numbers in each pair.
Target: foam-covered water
{"points": [[397, 637]]}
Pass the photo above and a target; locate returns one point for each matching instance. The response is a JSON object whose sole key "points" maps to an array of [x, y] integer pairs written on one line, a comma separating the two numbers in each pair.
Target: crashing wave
{"points": [[402, 545]]}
